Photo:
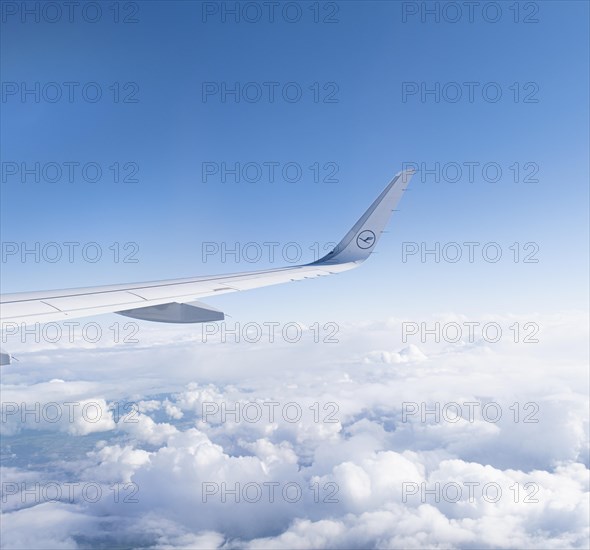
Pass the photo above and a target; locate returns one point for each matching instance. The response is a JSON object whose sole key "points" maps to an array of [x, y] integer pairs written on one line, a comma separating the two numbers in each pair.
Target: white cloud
{"points": [[369, 429]]}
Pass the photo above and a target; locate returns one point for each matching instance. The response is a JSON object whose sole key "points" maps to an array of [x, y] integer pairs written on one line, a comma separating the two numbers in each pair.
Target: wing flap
{"points": [[89, 301], [175, 290], [22, 309]]}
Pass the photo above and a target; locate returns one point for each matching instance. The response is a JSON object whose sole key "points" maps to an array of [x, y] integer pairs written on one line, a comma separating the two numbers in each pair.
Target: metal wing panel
{"points": [[71, 304]]}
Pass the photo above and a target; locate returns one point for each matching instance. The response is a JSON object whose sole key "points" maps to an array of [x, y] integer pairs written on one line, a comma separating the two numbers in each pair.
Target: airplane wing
{"points": [[176, 300]]}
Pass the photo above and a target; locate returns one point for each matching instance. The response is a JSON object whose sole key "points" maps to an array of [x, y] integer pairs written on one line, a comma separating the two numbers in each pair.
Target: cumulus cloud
{"points": [[409, 354], [385, 444]]}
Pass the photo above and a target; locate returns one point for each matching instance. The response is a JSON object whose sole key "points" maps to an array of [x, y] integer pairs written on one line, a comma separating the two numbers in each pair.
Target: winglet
{"points": [[360, 241]]}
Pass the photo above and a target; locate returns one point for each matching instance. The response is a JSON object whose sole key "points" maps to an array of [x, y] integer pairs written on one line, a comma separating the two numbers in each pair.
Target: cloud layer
{"points": [[368, 443]]}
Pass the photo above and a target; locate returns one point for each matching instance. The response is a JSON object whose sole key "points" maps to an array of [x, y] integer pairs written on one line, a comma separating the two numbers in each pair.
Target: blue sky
{"points": [[369, 133]]}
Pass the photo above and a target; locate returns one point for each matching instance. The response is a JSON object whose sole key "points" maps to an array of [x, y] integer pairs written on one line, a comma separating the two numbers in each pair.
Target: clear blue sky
{"points": [[369, 52]]}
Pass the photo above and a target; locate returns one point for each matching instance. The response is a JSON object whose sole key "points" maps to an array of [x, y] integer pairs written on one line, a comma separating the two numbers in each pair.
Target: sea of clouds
{"points": [[368, 442]]}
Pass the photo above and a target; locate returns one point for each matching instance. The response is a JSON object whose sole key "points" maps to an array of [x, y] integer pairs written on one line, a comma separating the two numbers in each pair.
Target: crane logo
{"points": [[365, 239]]}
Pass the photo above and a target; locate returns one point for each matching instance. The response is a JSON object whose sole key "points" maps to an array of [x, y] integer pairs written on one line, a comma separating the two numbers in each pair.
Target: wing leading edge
{"points": [[176, 300]]}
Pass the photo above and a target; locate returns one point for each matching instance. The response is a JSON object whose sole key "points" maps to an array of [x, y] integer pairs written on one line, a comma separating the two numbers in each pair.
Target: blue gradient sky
{"points": [[369, 133]]}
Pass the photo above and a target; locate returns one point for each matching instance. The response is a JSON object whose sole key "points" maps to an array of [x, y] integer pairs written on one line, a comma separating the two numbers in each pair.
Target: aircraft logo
{"points": [[365, 239]]}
